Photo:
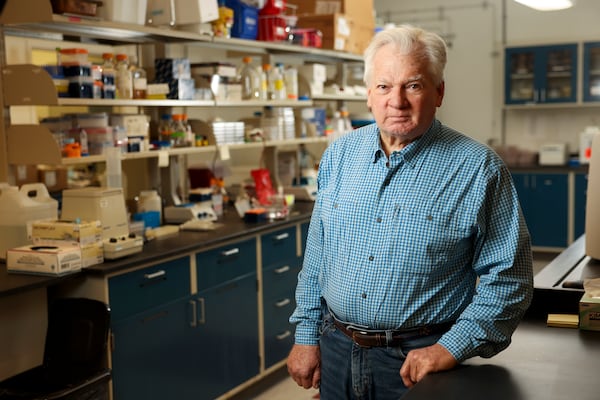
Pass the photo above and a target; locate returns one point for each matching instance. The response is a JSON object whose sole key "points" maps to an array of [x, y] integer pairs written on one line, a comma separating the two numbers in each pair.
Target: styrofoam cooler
{"points": [[18, 209]]}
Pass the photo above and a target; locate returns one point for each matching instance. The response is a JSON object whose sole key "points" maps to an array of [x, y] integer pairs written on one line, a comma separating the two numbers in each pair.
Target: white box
{"points": [[126, 11], [134, 124], [554, 154], [313, 72], [44, 259], [195, 11], [82, 233]]}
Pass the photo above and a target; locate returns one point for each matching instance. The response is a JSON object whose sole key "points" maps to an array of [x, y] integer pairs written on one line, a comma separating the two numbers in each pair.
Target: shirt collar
{"points": [[411, 152]]}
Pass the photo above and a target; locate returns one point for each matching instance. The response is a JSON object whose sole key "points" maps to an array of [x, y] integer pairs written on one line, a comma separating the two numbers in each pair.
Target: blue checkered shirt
{"points": [[430, 235]]}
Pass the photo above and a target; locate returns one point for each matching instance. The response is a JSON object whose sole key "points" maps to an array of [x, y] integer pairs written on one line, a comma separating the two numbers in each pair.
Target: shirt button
{"points": [[379, 219], [371, 258], [364, 295]]}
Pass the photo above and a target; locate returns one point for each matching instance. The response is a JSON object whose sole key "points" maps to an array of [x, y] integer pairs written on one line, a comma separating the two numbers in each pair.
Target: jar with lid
{"points": [[179, 132], [139, 80], [108, 76], [165, 128], [250, 80], [124, 78]]}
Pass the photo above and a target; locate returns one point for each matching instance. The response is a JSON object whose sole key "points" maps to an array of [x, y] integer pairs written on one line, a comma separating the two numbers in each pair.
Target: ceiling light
{"points": [[547, 5]]}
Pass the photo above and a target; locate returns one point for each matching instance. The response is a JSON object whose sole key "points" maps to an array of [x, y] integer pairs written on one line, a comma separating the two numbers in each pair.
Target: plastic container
{"points": [[73, 56], [150, 204], [77, 69], [81, 87], [18, 208], [245, 20], [250, 80]]}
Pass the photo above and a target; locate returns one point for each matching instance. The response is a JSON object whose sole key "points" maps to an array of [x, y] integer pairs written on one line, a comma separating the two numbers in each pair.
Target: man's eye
{"points": [[381, 87], [413, 86]]}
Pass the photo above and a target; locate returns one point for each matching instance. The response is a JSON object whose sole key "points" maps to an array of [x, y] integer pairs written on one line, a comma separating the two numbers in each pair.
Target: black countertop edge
{"points": [[231, 228], [561, 265]]}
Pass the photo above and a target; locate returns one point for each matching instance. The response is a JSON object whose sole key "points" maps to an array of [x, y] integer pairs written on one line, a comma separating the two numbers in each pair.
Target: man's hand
{"points": [[421, 362], [304, 365]]}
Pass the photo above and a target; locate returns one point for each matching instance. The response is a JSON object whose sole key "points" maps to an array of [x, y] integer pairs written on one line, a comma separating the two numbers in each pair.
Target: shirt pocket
{"points": [[431, 239]]}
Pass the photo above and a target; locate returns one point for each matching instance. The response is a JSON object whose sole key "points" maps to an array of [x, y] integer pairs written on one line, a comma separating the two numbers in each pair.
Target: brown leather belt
{"points": [[391, 338]]}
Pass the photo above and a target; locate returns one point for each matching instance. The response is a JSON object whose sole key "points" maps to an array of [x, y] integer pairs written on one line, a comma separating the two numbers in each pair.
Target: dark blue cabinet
{"points": [[591, 71], [544, 200], [541, 74], [280, 267]]}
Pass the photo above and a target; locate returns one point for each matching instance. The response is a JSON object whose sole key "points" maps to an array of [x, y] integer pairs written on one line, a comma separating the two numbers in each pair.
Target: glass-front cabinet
{"points": [[591, 71], [541, 74]]}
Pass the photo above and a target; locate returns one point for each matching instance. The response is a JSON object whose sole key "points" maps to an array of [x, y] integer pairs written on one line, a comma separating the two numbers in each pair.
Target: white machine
{"points": [[108, 206]]}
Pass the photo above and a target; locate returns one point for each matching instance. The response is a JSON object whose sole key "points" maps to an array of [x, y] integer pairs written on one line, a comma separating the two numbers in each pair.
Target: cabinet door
{"points": [[581, 180], [151, 356], [225, 340], [544, 201], [591, 71], [544, 74]]}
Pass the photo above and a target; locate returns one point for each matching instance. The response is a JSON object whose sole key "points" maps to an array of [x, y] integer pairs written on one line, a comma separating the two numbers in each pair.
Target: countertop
{"points": [[231, 227], [541, 363]]}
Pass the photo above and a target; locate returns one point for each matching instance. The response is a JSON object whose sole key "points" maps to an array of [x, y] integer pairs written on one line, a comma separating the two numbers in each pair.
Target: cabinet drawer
{"points": [[279, 333], [140, 290], [226, 263], [280, 281], [277, 246]]}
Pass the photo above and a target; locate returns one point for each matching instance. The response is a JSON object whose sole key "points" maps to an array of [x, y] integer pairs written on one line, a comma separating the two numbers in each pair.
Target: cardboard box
{"points": [[313, 72], [336, 29], [355, 9], [83, 233], [44, 260], [589, 313]]}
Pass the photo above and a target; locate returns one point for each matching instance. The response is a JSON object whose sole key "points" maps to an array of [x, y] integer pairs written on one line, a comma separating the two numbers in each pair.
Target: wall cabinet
{"points": [[541, 74], [591, 71]]}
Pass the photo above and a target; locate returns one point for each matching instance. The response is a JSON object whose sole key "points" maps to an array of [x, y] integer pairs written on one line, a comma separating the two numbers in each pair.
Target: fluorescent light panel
{"points": [[547, 5]]}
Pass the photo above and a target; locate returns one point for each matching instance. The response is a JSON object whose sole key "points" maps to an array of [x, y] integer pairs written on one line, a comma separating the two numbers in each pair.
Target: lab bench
{"points": [[190, 306]]}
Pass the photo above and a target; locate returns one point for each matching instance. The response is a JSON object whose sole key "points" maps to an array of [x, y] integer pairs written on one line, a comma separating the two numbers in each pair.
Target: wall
{"points": [[478, 31]]}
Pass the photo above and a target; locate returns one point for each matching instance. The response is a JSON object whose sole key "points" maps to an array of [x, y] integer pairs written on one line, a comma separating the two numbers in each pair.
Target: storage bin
{"points": [[275, 28], [78, 7], [245, 20]]}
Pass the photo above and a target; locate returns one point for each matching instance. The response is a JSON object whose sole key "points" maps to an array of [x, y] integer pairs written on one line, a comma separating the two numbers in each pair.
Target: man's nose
{"points": [[398, 98]]}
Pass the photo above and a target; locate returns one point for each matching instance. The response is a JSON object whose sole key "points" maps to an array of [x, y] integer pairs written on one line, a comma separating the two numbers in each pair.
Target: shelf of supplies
{"points": [[195, 150], [339, 97]]}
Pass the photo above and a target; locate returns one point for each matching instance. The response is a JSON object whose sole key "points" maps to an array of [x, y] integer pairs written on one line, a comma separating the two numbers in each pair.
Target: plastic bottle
{"points": [[139, 80], [190, 136], [338, 126], [269, 87], [250, 80], [179, 131], [270, 124], [345, 115], [124, 78], [108, 76], [279, 92], [165, 128], [290, 77], [150, 202]]}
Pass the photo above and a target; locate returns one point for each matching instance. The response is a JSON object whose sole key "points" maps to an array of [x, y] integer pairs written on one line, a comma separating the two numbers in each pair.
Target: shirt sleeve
{"points": [[503, 263], [307, 315]]}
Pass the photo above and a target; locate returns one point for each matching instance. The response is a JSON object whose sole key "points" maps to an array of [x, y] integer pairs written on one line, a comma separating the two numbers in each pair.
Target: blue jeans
{"points": [[351, 372]]}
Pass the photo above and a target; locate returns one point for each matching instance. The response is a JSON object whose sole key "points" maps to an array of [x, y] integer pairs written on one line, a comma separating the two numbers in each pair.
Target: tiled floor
{"points": [[279, 386]]}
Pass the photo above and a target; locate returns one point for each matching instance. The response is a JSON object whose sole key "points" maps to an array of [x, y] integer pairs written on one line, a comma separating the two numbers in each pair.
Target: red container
{"points": [[275, 28], [273, 7], [307, 37]]}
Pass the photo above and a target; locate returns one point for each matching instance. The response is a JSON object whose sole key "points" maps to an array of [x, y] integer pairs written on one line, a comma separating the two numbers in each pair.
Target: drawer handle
{"points": [[231, 252], [194, 321], [202, 319], [155, 275], [282, 303], [282, 236], [283, 335], [282, 270]]}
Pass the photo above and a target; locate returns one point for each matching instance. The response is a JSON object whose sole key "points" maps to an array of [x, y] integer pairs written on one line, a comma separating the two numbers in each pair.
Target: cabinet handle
{"points": [[283, 335], [202, 319], [194, 321], [230, 252], [282, 236], [282, 303], [282, 270], [155, 275]]}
